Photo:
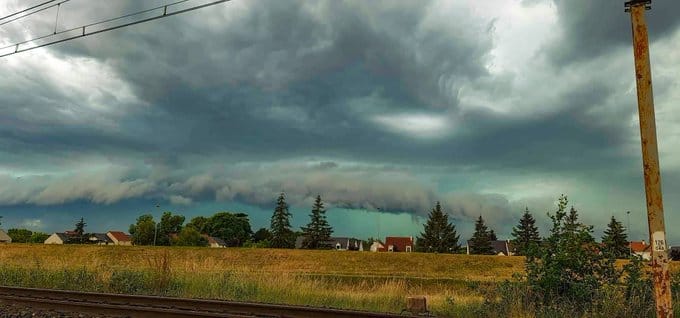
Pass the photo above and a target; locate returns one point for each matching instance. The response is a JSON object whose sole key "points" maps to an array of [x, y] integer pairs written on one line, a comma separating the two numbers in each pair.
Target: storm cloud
{"points": [[487, 107]]}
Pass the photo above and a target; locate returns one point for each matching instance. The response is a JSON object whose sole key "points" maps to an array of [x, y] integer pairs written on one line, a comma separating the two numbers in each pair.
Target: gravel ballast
{"points": [[21, 311]]}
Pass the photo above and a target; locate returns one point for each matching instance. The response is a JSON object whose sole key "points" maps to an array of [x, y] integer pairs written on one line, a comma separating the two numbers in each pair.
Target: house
{"points": [[119, 238], [398, 244], [298, 241], [377, 246], [71, 237], [215, 242], [346, 244], [4, 238], [99, 239], [337, 243], [58, 238], [674, 253], [500, 247], [641, 248], [503, 248]]}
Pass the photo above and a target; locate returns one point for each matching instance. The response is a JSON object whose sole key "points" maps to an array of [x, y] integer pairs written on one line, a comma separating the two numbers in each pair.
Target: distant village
{"points": [[390, 244], [226, 229]]}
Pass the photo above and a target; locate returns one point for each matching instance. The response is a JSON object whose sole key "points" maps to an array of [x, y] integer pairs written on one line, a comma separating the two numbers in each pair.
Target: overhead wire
{"points": [[27, 9], [93, 24], [84, 27], [31, 13]]}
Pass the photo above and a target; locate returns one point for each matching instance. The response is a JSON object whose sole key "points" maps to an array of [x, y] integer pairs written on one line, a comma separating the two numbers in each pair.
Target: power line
{"points": [[91, 24], [27, 9], [31, 13], [83, 28]]}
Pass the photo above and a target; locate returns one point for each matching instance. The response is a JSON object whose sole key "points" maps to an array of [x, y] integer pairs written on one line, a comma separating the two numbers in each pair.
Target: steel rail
{"points": [[148, 306], [109, 309]]}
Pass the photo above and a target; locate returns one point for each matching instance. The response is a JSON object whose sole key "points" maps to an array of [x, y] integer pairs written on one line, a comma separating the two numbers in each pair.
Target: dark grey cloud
{"points": [[217, 104], [293, 79], [284, 71], [593, 28]]}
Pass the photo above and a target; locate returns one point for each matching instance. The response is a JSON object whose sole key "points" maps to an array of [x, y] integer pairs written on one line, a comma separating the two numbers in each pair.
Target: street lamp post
{"points": [[155, 227], [378, 217], [630, 245]]}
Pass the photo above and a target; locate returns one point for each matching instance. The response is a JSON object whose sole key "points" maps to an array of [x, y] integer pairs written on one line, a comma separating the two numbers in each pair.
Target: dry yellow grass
{"points": [[335, 263], [453, 284], [357, 280]]}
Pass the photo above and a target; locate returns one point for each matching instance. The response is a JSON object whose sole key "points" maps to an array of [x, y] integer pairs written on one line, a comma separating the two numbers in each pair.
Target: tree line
{"points": [[316, 234], [21, 235], [234, 229], [439, 235]]}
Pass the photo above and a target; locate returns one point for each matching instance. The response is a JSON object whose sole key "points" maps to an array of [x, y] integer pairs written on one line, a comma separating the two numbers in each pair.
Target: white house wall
{"points": [[54, 239]]}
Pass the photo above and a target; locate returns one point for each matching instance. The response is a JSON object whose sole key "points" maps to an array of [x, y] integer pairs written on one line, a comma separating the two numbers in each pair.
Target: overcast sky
{"points": [[381, 107]]}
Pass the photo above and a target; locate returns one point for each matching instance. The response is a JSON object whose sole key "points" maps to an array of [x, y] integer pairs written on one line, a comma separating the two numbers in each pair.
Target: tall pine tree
{"points": [[573, 227], [615, 240], [525, 234], [480, 243], [80, 231], [282, 235], [317, 233], [438, 234]]}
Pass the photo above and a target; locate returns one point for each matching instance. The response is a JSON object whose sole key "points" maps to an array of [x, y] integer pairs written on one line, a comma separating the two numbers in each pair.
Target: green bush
{"points": [[129, 282], [568, 267], [568, 276], [74, 279]]}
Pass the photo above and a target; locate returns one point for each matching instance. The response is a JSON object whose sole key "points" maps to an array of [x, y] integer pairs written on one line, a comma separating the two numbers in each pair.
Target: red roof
{"points": [[638, 246], [120, 236], [398, 243]]}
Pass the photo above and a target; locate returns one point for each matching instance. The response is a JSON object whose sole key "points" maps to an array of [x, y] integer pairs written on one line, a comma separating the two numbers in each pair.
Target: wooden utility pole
{"points": [[650, 158]]}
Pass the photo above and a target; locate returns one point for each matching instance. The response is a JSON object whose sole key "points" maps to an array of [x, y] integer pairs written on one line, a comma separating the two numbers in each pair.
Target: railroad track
{"points": [[154, 306]]}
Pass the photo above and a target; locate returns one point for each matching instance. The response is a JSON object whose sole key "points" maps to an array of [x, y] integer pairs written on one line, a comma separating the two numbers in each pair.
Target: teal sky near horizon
{"points": [[359, 223]]}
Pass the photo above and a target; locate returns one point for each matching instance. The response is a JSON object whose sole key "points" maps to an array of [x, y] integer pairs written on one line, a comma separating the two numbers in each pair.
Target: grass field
{"points": [[187, 259], [359, 280], [453, 284]]}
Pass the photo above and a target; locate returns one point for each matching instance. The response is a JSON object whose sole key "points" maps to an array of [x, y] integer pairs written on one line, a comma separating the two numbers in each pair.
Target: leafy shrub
{"points": [[569, 266], [129, 282], [568, 276]]}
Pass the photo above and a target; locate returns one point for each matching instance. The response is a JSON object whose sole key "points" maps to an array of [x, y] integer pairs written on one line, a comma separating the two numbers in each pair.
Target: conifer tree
{"points": [[317, 233], [615, 239], [574, 227], [282, 235], [80, 227], [492, 235], [572, 220], [525, 234], [438, 234], [480, 243], [80, 230]]}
